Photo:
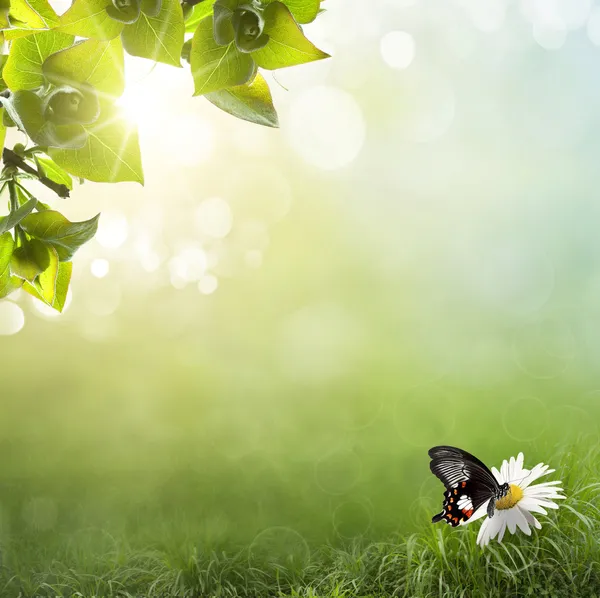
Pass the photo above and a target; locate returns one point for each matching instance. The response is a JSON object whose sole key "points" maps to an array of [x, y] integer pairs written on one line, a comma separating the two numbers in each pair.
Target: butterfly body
{"points": [[469, 484]]}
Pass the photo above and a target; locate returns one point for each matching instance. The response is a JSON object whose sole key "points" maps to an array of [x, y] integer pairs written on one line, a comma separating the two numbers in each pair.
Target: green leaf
{"points": [[252, 102], [223, 31], [97, 63], [28, 16], [51, 170], [45, 283], [287, 46], [151, 7], [64, 236], [23, 69], [126, 12], [158, 38], [30, 259], [9, 222], [2, 128], [6, 250], [30, 110], [88, 18], [304, 11], [111, 153], [200, 12], [8, 283], [216, 67], [61, 287]]}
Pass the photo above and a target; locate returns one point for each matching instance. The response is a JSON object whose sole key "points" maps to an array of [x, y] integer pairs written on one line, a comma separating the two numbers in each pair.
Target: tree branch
{"points": [[11, 159]]}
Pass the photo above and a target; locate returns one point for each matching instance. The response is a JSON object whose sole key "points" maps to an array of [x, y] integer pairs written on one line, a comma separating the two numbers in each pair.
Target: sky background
{"points": [[264, 340]]}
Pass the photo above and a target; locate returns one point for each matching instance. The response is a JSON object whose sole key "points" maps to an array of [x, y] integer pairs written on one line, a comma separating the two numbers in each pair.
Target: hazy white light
{"points": [[401, 3], [103, 298], [140, 105], [426, 108], [557, 14], [113, 230], [213, 217], [193, 138], [270, 190], [49, 312], [208, 284], [549, 38], [254, 258], [326, 127], [187, 266], [593, 27], [99, 267], [250, 139], [488, 15], [60, 6], [150, 261], [397, 49], [12, 318]]}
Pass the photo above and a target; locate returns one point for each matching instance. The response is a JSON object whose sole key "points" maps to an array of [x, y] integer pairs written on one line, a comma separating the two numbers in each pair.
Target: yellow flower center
{"points": [[515, 494]]}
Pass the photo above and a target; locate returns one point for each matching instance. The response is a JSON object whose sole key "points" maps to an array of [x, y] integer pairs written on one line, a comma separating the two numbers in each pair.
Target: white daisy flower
{"points": [[515, 509]]}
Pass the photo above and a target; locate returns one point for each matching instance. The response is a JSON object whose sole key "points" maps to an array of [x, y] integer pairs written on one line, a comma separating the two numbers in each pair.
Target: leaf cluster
{"points": [[60, 83]]}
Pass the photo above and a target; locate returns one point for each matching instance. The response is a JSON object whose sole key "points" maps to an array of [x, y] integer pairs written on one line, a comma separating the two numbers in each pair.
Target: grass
{"points": [[562, 559]]}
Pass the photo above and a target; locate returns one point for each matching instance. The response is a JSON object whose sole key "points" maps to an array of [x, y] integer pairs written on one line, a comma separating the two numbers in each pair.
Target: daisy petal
{"points": [[498, 476], [531, 504], [502, 530], [537, 472], [504, 470], [546, 503], [482, 536], [522, 521], [511, 521], [531, 519]]}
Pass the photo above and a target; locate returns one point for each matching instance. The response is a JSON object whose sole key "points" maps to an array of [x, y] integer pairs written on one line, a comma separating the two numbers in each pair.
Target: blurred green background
{"points": [[264, 341]]}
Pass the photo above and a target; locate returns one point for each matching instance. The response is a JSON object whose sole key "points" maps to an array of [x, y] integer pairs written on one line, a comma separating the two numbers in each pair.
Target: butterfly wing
{"points": [[469, 483]]}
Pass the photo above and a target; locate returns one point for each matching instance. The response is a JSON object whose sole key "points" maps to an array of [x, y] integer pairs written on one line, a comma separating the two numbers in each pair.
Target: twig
{"points": [[10, 158]]}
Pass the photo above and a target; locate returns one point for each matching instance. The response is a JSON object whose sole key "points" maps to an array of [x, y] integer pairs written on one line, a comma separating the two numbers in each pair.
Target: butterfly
{"points": [[469, 484]]}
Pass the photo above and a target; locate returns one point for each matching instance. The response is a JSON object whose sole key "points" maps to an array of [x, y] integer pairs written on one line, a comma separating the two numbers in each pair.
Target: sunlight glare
{"points": [[12, 318]]}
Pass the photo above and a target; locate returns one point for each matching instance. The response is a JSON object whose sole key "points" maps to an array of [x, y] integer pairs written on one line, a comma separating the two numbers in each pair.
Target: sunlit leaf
{"points": [[2, 129], [51, 170], [251, 102], [304, 11], [61, 287], [30, 16], [45, 283], [97, 63], [88, 18], [158, 38], [151, 7], [30, 259], [30, 110], [126, 12], [223, 31], [9, 284], [9, 222], [287, 45], [32, 51], [111, 153], [199, 13], [216, 67], [64, 236], [6, 251]]}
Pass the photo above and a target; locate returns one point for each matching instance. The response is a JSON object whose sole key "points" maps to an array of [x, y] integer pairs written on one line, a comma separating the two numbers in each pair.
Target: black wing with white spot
{"points": [[469, 483]]}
